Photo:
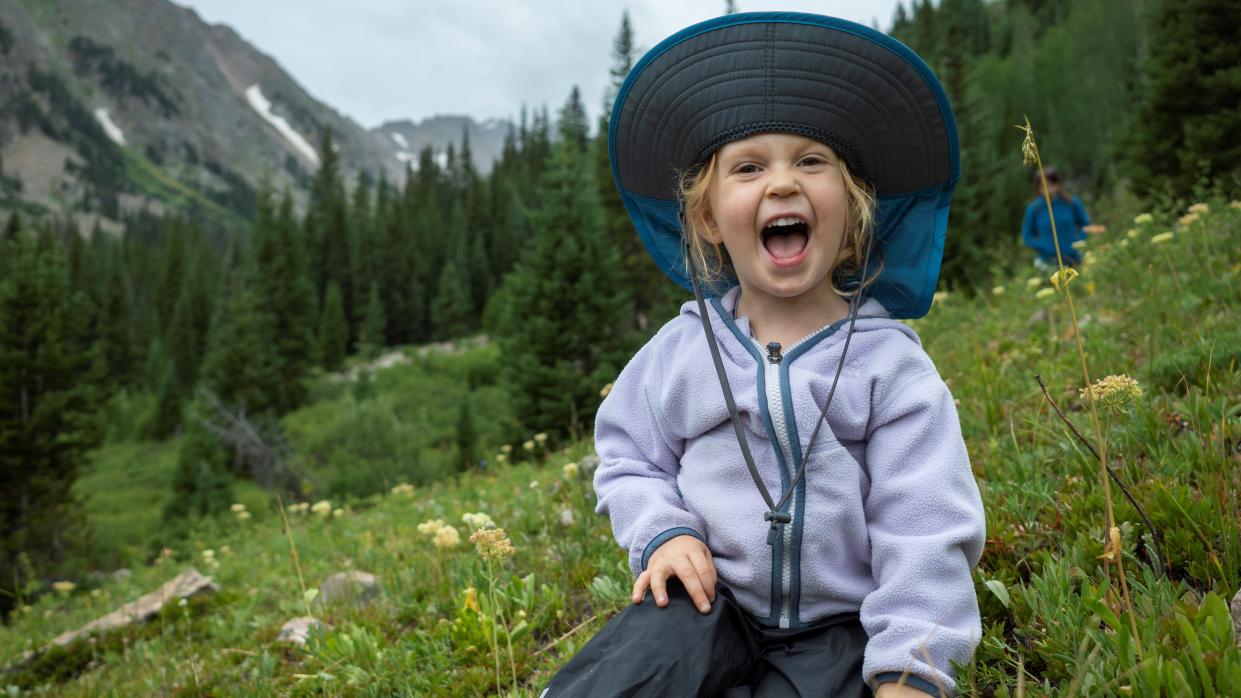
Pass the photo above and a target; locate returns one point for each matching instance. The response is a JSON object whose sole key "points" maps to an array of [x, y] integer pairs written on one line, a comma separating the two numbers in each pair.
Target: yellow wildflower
{"points": [[1143, 218], [337, 513], [997, 291], [403, 488], [1200, 208], [500, 458], [606, 389], [940, 296], [534, 484], [529, 445], [570, 470], [471, 599], [208, 554], [1161, 238], [429, 527], [322, 508], [1114, 393], [1122, 244], [1187, 219], [506, 448], [447, 537], [540, 437], [238, 508], [243, 515], [1045, 292], [1112, 549], [478, 520], [1029, 150], [492, 543], [1234, 204], [1090, 287], [1033, 282], [64, 588], [1067, 275], [1133, 233], [1080, 245]]}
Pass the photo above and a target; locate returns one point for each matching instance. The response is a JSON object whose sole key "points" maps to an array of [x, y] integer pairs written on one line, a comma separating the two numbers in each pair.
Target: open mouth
{"points": [[786, 238]]}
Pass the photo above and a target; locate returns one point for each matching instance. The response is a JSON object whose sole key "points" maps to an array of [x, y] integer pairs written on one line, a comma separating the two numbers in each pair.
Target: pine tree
{"points": [[1188, 126], [202, 485], [333, 330], [48, 418], [241, 365], [561, 324], [452, 309], [283, 282], [573, 125], [371, 335], [466, 435], [327, 223]]}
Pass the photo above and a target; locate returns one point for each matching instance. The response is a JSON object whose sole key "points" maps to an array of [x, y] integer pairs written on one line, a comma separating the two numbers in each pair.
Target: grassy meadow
{"points": [[1157, 299]]}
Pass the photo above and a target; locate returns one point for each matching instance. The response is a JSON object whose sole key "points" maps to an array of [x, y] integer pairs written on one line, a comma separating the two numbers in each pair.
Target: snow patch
{"points": [[109, 127], [405, 156], [262, 105], [400, 140]]}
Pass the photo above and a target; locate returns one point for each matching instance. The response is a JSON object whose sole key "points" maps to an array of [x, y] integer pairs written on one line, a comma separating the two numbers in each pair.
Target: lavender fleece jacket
{"points": [[887, 522]]}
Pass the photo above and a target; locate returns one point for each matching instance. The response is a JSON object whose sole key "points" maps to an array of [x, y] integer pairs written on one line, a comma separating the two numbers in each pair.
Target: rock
{"points": [[297, 630], [348, 587], [1235, 607], [186, 585]]}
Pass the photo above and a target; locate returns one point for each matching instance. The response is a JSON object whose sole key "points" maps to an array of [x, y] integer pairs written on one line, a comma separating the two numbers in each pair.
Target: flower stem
{"points": [[1094, 411]]}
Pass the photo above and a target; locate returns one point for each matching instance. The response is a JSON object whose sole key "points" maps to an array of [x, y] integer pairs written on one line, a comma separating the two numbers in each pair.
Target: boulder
{"points": [[358, 588], [1235, 607], [297, 630]]}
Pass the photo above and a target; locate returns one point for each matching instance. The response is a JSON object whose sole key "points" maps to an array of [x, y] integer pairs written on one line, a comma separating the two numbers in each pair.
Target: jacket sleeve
{"points": [[1079, 213], [1029, 232], [926, 525], [636, 482]]}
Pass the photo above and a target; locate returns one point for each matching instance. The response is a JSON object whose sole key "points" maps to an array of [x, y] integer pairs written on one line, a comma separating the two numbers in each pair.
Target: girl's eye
{"points": [[746, 168], [813, 160]]}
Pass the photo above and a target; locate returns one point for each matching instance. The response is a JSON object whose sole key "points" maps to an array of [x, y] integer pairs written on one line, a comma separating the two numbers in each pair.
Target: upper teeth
{"points": [[787, 220]]}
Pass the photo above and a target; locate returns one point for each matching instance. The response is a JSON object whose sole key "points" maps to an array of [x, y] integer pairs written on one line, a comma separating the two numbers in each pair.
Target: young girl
{"points": [[782, 461]]}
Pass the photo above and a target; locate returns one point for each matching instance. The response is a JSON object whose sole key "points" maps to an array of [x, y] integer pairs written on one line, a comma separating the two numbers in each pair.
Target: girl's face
{"points": [[778, 203]]}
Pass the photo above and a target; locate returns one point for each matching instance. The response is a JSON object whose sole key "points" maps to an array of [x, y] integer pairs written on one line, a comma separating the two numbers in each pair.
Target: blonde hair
{"points": [[710, 258]]}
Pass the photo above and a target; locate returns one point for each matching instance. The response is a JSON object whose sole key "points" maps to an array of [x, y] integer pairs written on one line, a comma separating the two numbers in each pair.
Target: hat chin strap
{"points": [[777, 513]]}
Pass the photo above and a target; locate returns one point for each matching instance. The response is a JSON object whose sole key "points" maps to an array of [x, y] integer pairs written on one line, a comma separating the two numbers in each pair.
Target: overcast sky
{"points": [[378, 60]]}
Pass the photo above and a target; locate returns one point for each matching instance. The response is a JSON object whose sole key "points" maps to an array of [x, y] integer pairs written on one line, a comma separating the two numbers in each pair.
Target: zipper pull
{"points": [[773, 352]]}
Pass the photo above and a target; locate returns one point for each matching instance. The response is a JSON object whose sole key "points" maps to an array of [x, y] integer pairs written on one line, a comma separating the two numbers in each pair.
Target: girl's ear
{"points": [[712, 233]]}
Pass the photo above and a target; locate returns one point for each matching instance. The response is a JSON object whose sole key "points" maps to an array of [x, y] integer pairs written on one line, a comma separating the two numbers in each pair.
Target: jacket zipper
{"points": [[775, 408]]}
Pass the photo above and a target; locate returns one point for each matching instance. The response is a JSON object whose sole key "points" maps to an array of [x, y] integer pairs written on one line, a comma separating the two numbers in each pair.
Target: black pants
{"points": [[679, 652]]}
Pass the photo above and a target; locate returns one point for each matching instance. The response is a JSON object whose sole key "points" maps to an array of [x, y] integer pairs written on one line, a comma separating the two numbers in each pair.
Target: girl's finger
{"points": [[639, 586], [706, 572], [659, 586], [693, 585]]}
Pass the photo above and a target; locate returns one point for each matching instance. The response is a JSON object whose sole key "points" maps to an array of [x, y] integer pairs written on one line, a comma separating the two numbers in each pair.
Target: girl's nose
{"points": [[782, 184]]}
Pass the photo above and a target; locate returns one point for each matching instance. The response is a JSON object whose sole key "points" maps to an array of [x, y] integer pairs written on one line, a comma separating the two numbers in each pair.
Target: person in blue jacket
{"points": [[1072, 223]]}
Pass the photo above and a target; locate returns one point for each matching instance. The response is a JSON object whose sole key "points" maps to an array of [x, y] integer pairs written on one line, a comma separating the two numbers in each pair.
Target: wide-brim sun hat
{"points": [[865, 94]]}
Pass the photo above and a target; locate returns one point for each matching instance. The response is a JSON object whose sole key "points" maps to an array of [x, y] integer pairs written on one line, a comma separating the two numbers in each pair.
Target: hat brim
{"points": [[860, 91]]}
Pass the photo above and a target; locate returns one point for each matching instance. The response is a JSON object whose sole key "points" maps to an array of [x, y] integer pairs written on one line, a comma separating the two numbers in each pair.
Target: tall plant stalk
{"points": [[1030, 156]]}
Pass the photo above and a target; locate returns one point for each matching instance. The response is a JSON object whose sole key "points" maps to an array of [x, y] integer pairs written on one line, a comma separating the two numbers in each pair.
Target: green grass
{"points": [[1163, 313]]}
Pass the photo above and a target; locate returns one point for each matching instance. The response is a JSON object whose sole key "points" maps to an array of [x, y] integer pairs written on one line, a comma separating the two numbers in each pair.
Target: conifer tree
{"points": [[452, 308], [333, 330], [1188, 126], [371, 335], [191, 320], [466, 436], [562, 323], [240, 367], [327, 221], [283, 283], [202, 485], [48, 418]]}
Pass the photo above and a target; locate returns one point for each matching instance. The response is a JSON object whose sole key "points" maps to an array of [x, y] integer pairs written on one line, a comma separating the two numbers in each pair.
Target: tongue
{"points": [[786, 245]]}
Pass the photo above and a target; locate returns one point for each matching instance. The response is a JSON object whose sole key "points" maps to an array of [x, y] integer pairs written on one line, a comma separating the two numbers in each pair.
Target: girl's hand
{"points": [[897, 690], [686, 558]]}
